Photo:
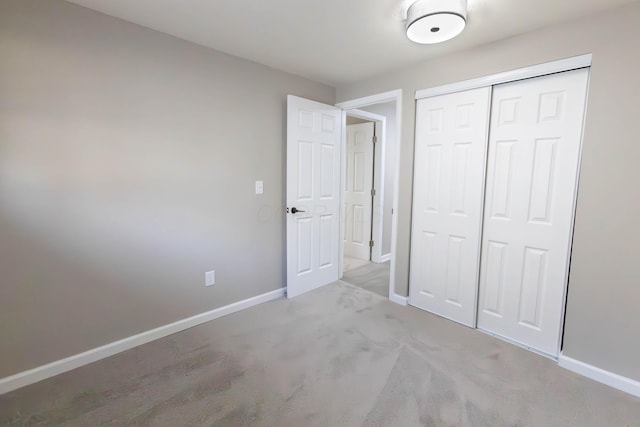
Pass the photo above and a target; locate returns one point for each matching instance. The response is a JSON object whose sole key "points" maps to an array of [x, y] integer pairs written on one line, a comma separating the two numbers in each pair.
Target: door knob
{"points": [[295, 210]]}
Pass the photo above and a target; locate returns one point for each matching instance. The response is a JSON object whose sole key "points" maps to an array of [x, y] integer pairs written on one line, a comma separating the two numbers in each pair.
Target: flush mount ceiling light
{"points": [[435, 21]]}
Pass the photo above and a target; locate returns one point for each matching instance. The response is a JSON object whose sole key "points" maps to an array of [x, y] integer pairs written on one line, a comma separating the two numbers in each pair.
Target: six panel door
{"points": [[534, 151], [314, 142], [450, 153], [357, 194]]}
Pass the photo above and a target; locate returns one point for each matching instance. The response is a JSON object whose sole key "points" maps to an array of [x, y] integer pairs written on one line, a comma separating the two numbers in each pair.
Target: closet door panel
{"points": [[450, 154], [534, 150]]}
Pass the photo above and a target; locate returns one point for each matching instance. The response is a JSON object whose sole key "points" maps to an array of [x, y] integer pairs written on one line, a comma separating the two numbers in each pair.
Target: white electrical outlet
{"points": [[259, 187], [210, 278]]}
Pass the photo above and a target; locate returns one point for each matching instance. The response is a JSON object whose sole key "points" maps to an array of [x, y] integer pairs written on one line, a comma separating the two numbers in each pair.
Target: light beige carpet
{"points": [[372, 277], [350, 263], [339, 356]]}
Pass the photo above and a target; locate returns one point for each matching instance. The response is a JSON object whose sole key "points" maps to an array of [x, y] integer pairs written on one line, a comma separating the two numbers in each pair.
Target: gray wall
{"points": [[127, 168], [387, 109], [603, 320]]}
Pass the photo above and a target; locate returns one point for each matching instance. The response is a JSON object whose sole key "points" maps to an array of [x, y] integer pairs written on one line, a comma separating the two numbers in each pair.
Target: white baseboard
{"points": [[399, 299], [609, 378], [49, 370], [385, 258]]}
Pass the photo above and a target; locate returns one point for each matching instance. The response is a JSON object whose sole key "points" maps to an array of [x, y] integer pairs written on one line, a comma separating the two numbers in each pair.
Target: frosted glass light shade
{"points": [[435, 21]]}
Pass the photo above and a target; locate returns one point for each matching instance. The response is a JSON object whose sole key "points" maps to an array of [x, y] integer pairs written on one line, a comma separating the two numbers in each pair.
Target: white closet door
{"points": [[450, 152], [357, 194], [534, 149]]}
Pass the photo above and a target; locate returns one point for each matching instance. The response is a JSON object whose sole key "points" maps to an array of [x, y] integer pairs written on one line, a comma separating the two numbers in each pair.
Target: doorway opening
{"points": [[364, 212], [369, 192]]}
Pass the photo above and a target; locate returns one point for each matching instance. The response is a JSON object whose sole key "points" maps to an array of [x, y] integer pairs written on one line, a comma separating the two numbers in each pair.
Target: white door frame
{"points": [[380, 125], [354, 104], [561, 65], [568, 64]]}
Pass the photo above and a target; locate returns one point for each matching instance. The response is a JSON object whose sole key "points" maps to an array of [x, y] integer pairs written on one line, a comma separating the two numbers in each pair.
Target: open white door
{"points": [[314, 140], [357, 194]]}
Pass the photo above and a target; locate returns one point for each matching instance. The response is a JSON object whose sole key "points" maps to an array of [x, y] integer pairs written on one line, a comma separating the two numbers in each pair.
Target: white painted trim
{"points": [[385, 258], [396, 190], [567, 64], [343, 178], [365, 115], [396, 96], [49, 370], [605, 377], [399, 299], [393, 95]]}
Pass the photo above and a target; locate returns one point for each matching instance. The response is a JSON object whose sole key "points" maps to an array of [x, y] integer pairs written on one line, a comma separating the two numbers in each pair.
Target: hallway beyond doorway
{"points": [[351, 263], [371, 276]]}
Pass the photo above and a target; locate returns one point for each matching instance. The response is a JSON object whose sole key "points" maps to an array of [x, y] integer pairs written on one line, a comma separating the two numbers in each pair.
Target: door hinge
{"points": [[375, 139], [370, 243], [373, 192]]}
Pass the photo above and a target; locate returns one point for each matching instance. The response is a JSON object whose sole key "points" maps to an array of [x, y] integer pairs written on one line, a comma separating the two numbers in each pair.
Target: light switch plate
{"points": [[259, 187], [210, 278]]}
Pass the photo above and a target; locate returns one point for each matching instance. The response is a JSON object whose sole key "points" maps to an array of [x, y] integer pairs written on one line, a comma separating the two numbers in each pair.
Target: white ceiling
{"points": [[334, 41]]}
